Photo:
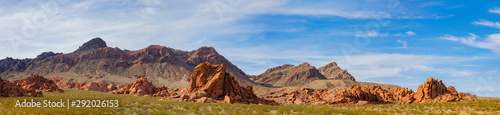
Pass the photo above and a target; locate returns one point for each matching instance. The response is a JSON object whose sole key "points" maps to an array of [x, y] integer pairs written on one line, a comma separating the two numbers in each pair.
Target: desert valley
{"points": [[170, 76]]}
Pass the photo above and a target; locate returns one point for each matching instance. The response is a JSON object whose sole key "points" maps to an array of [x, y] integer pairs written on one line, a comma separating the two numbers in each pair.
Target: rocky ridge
{"points": [[289, 75], [333, 71], [94, 58]]}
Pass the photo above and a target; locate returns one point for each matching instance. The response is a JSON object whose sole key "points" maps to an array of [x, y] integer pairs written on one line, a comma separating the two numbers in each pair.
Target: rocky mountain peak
{"points": [[333, 71], [333, 64], [94, 43], [305, 64], [206, 50]]}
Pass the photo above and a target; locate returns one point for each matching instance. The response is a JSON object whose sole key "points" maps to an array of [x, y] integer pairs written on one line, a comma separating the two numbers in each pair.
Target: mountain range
{"points": [[94, 61]]}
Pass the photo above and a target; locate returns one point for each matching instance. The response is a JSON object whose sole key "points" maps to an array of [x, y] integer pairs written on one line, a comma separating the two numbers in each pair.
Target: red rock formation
{"points": [[373, 95], [38, 82], [431, 91], [143, 87], [91, 86], [435, 91], [214, 82], [9, 89]]}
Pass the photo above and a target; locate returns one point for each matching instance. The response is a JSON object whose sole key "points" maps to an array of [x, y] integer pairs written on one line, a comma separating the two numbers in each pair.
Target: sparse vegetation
{"points": [[148, 105]]}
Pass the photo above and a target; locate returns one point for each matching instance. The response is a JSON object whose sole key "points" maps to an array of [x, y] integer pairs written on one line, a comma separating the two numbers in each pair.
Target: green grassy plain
{"points": [[150, 105]]}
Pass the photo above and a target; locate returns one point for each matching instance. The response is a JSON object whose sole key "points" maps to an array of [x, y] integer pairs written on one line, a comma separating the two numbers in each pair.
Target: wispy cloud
{"points": [[491, 42], [432, 3], [404, 43], [408, 33], [372, 33], [495, 10], [488, 23]]}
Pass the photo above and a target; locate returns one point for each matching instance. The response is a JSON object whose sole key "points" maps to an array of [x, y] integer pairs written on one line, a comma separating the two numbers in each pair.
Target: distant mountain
{"points": [[95, 43], [94, 61], [9, 65], [332, 71], [289, 75]]}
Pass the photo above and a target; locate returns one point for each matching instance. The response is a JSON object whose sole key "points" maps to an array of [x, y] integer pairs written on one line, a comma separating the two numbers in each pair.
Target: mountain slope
{"points": [[94, 61], [289, 75], [332, 71]]}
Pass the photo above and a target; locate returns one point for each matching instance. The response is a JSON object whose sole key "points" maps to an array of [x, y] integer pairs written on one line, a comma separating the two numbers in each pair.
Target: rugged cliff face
{"points": [[95, 62]]}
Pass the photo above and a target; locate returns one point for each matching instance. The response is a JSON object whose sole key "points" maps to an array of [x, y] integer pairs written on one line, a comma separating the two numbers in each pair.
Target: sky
{"points": [[401, 42]]}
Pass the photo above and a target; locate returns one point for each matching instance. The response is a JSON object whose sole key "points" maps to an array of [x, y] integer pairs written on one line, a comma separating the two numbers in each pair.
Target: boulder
{"points": [[228, 99]]}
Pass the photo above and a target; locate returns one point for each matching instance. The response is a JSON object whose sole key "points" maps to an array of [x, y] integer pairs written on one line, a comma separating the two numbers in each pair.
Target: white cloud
{"points": [[450, 37], [404, 43], [487, 23], [150, 2], [410, 33], [372, 33], [495, 10], [492, 42]]}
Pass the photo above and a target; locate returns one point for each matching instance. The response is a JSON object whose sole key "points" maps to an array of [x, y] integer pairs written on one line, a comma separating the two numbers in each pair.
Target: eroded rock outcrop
{"points": [[143, 87], [38, 82], [431, 91], [10, 89], [213, 82], [91, 86], [435, 91]]}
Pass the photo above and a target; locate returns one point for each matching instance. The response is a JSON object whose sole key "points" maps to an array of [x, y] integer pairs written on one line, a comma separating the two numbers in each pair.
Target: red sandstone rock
{"points": [[431, 91], [143, 87], [434, 91], [38, 82], [93, 86], [9, 89], [214, 82]]}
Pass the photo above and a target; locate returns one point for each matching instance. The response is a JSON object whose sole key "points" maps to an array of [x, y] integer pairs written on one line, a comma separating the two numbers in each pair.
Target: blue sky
{"points": [[400, 42]]}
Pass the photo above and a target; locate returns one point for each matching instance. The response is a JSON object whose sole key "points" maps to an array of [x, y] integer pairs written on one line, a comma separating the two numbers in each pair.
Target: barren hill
{"points": [[332, 71], [289, 75], [94, 61]]}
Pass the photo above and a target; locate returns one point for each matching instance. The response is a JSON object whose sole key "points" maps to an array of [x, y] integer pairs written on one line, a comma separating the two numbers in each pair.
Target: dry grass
{"points": [[150, 105]]}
